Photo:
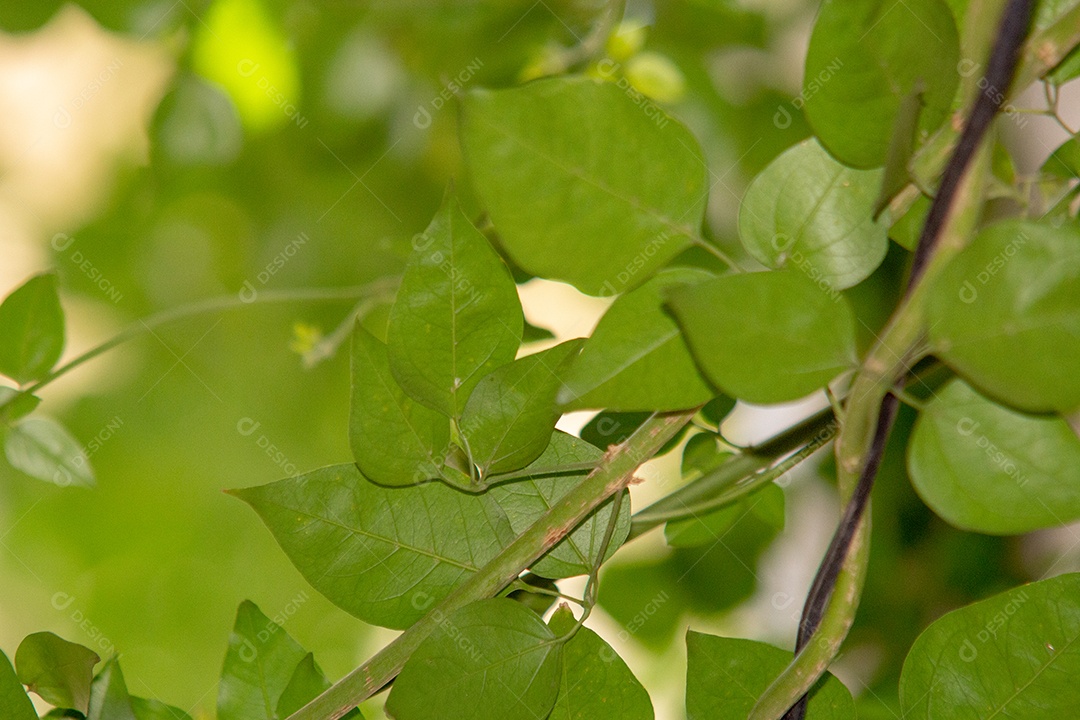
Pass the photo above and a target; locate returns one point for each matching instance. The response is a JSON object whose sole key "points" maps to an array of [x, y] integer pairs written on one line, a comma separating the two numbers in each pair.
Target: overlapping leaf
{"points": [[457, 315], [383, 554], [636, 358], [60, 672], [44, 449]]}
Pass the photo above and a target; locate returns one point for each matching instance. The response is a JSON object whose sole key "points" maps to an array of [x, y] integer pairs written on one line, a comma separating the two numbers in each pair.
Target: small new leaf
{"points": [[60, 672], [31, 329]]}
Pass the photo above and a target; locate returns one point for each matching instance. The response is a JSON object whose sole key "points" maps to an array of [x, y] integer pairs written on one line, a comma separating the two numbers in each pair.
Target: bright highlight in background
{"points": [[240, 47]]}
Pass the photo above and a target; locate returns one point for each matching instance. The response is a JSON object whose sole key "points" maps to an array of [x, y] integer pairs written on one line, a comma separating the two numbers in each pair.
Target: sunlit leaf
{"points": [[808, 212], [1013, 655], [31, 329], [43, 449], [258, 666], [582, 183], [457, 316]]}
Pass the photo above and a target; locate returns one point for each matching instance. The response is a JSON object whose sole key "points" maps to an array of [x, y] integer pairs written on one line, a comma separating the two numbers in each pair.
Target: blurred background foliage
{"points": [[212, 137]]}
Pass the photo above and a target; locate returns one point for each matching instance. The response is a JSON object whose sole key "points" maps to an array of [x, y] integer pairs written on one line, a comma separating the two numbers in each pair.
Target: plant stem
{"points": [[204, 307], [612, 475]]}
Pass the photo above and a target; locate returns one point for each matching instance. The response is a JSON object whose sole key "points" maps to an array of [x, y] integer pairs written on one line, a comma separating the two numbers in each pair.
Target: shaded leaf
{"points": [[109, 699], [636, 358], [767, 337], [990, 469], [19, 407], [382, 554], [511, 414], [258, 666], [156, 710], [1005, 313], [395, 440], [766, 504], [595, 682], [725, 677], [618, 187], [524, 501], [490, 660], [57, 670], [14, 702]]}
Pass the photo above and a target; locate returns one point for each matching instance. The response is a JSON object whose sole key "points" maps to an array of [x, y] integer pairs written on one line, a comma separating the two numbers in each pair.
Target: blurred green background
{"points": [[163, 152]]}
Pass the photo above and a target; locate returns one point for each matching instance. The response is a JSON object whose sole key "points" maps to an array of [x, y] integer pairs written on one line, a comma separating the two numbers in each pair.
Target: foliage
{"points": [[589, 158]]}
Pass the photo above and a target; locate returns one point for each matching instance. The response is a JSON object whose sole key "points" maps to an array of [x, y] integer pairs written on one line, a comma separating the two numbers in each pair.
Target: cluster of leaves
{"points": [[452, 425]]}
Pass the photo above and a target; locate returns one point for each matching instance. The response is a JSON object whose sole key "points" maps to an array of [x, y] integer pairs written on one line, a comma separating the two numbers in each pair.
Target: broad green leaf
{"points": [[14, 702], [490, 660], [57, 670], [457, 315], [636, 358], [1064, 162], [595, 682], [109, 699], [1014, 655], [43, 449], [808, 212], [258, 666], [156, 710], [524, 501], [395, 440], [19, 407], [1005, 314], [307, 682], [990, 469], [865, 57], [725, 677], [709, 528], [767, 337], [31, 330], [702, 454], [583, 183], [383, 554], [509, 417]]}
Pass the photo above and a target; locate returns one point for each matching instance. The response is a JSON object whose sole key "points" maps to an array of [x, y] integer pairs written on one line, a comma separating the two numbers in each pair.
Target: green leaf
{"points": [[156, 710], [870, 55], [524, 501], [31, 329], [509, 417], [395, 440], [457, 315], [109, 699], [582, 183], [1064, 162], [637, 358], [43, 449], [57, 670], [725, 677], [14, 702], [258, 666], [383, 554], [307, 682], [1005, 314], [18, 408], [702, 454], [709, 529], [767, 337], [1013, 655], [990, 469], [906, 231], [595, 682], [490, 660], [808, 212]]}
